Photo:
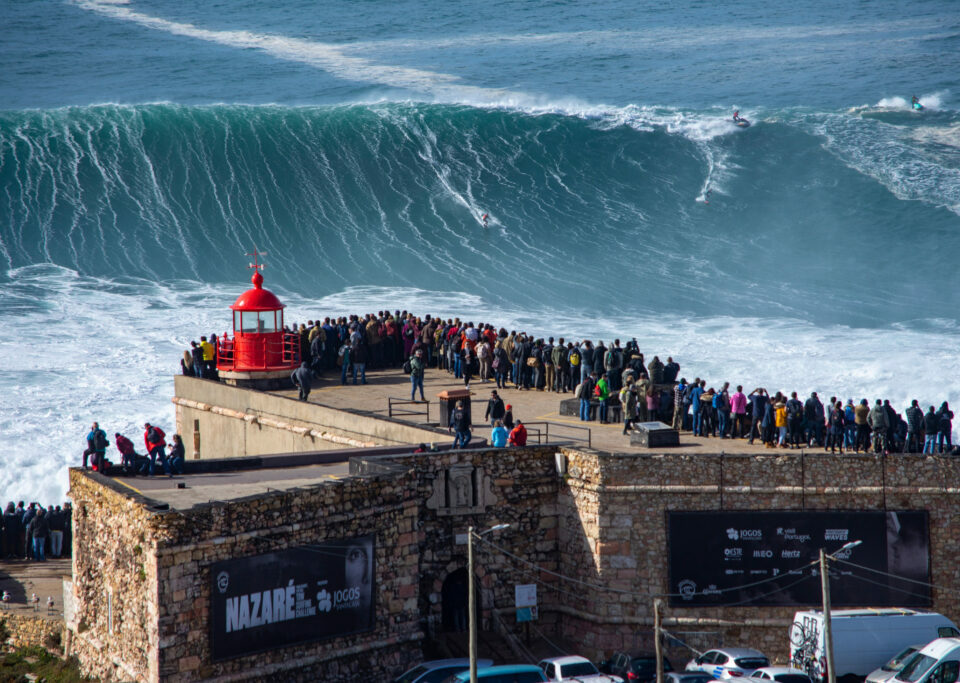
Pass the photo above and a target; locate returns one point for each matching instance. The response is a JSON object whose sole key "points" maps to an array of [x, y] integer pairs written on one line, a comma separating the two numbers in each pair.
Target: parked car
{"points": [[729, 662], [438, 670], [892, 667], [780, 674], [508, 673], [937, 662], [635, 667], [687, 677], [576, 668]]}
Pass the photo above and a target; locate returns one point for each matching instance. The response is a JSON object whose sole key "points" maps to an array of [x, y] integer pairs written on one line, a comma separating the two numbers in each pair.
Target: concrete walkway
{"points": [[22, 579], [220, 486], [533, 407]]}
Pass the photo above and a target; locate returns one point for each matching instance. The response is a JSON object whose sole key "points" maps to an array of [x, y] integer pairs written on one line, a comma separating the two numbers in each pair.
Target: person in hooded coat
{"points": [[302, 377]]}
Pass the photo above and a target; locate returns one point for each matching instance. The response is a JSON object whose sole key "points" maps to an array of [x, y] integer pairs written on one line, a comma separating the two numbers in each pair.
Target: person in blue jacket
{"points": [[499, 434]]}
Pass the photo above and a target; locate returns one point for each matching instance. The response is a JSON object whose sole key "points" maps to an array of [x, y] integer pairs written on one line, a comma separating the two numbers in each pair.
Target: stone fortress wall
{"points": [[597, 517]]}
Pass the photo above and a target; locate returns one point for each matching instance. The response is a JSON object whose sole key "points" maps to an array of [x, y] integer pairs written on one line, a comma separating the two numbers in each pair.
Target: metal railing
{"points": [[256, 353], [542, 432], [393, 410]]}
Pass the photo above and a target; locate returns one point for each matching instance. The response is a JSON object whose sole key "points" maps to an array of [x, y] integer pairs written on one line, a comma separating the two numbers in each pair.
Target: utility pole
{"points": [[472, 596], [825, 593], [472, 614], [657, 642], [827, 631]]}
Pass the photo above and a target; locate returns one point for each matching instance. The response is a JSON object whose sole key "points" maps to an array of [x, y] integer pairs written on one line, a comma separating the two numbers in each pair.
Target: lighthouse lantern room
{"points": [[260, 354]]}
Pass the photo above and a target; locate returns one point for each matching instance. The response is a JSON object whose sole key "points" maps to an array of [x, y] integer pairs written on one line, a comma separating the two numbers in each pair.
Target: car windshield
{"points": [[899, 660], [792, 678], [916, 668], [752, 662], [412, 675], [579, 669]]}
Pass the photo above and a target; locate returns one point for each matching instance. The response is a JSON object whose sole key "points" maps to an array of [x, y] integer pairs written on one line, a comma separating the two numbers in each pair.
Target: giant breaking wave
{"points": [[818, 216]]}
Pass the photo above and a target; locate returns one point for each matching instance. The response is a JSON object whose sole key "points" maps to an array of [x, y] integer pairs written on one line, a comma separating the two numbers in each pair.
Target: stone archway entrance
{"points": [[454, 598]]}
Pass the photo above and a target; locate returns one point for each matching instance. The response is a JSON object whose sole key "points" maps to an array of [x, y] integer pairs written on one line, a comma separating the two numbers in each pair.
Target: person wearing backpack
{"points": [[495, 408], [460, 424], [417, 367], [549, 370], [501, 363], [484, 356], [128, 456], [945, 430], [559, 357], [601, 392], [585, 393], [153, 437], [573, 360], [795, 421], [587, 357], [96, 446], [612, 362], [359, 355]]}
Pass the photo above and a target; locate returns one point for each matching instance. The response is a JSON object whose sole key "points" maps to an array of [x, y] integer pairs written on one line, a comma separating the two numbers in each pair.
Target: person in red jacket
{"points": [[518, 435], [128, 456], [153, 437]]}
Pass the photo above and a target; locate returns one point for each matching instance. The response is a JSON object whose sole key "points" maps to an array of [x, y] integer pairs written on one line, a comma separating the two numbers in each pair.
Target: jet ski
{"points": [[917, 106], [741, 122]]}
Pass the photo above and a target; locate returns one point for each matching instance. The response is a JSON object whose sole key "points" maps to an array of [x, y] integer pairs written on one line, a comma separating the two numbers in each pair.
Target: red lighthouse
{"points": [[260, 354]]}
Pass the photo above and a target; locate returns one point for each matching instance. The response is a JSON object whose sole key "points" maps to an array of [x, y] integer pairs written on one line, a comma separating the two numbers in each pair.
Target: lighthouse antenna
{"points": [[256, 265]]}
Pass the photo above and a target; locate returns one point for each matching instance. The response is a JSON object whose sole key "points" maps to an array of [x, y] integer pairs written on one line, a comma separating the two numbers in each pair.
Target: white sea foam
{"points": [[888, 153], [80, 349], [932, 101]]}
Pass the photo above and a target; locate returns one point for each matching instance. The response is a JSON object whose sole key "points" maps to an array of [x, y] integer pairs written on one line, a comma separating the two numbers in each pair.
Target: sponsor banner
{"points": [[720, 558], [291, 596]]}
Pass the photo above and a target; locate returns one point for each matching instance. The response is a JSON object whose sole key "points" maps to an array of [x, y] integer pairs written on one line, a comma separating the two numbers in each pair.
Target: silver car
{"points": [[778, 674], [729, 662], [893, 667]]}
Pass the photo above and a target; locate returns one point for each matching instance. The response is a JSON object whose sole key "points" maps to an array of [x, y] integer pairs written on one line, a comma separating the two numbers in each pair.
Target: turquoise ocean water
{"points": [[145, 146]]}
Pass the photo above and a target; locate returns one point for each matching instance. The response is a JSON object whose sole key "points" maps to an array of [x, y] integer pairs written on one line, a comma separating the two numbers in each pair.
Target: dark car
{"points": [[636, 667]]}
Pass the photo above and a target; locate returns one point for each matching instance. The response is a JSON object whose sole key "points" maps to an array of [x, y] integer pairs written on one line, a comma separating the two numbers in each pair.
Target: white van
{"points": [[863, 639], [938, 662]]}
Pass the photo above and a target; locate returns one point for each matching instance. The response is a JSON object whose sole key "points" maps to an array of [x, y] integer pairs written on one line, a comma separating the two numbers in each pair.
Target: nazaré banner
{"points": [[292, 596], [764, 558]]}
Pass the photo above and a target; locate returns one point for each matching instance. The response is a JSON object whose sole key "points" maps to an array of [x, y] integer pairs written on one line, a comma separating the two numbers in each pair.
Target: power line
{"points": [[884, 585], [897, 576], [631, 593]]}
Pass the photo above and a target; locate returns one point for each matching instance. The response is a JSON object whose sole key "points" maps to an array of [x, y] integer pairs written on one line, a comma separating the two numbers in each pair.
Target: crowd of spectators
{"points": [[602, 377], [154, 440], [34, 532]]}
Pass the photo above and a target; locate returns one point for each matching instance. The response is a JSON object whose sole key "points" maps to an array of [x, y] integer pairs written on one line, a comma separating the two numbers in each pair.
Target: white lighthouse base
{"points": [[258, 379]]}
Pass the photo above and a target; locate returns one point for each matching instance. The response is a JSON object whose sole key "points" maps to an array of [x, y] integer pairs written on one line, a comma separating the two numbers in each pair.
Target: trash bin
{"points": [[448, 402]]}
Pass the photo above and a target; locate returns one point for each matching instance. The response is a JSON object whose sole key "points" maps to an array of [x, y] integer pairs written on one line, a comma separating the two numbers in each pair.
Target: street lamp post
{"points": [[825, 594], [472, 597]]}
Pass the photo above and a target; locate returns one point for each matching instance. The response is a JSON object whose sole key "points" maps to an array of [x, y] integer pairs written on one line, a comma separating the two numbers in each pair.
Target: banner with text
{"points": [[764, 558], [291, 596]]}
